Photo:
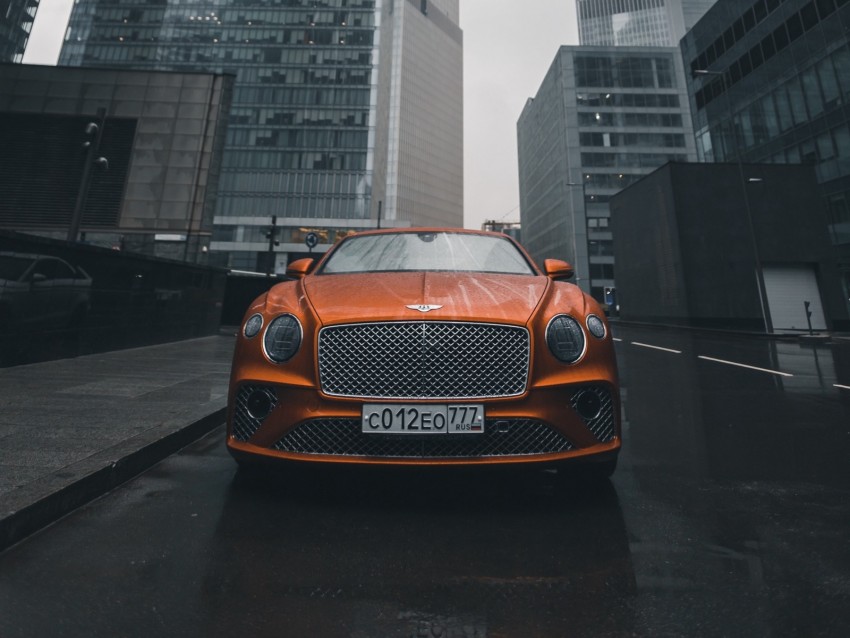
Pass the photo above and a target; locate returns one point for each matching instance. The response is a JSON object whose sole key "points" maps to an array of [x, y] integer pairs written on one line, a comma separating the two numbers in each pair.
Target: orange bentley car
{"points": [[426, 347]]}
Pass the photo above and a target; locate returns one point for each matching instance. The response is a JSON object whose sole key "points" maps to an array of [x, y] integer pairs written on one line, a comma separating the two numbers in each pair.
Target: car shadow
{"points": [[396, 551]]}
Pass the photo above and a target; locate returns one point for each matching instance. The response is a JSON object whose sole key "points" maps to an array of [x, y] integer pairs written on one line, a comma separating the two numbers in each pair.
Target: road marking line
{"points": [[646, 345], [843, 387], [742, 365], [616, 339]]}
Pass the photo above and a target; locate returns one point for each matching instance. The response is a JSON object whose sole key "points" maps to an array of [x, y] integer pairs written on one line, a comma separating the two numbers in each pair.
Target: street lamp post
{"points": [[762, 293], [93, 136], [575, 246]]}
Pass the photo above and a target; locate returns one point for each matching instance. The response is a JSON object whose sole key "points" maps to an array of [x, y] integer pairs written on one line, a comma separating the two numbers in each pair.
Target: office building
{"points": [[637, 22], [347, 114], [602, 118], [512, 229], [770, 82], [16, 19], [122, 159]]}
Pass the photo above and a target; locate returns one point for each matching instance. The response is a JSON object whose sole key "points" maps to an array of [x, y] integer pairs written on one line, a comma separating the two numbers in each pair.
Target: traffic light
{"points": [[271, 235]]}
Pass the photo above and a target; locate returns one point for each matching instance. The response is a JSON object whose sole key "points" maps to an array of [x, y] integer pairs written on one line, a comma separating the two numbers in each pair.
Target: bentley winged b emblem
{"points": [[423, 307]]}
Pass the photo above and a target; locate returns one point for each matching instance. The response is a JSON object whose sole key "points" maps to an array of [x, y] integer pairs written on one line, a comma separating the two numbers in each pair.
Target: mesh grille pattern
{"points": [[342, 437], [602, 426], [428, 359], [244, 425]]}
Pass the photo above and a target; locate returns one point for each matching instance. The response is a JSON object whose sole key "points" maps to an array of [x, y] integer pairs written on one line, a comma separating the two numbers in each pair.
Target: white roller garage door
{"points": [[787, 287]]}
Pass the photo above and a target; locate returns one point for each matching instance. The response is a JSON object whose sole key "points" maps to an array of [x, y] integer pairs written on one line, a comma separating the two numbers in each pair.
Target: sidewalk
{"points": [[71, 430]]}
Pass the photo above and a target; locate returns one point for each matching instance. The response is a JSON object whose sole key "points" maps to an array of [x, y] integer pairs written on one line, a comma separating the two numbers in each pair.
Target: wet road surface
{"points": [[728, 516]]}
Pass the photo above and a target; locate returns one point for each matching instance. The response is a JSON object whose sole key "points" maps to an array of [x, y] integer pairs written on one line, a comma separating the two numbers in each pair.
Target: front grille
{"points": [[342, 437], [423, 359]]}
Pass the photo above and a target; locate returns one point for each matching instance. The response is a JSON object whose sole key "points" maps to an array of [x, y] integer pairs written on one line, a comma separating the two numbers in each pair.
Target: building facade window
{"points": [[630, 117], [316, 92]]}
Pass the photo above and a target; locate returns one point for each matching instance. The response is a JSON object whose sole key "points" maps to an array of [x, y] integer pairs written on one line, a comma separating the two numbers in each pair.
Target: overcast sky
{"points": [[508, 47]]}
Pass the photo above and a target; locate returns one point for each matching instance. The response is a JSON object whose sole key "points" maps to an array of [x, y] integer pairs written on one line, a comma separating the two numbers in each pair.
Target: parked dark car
{"points": [[40, 293]]}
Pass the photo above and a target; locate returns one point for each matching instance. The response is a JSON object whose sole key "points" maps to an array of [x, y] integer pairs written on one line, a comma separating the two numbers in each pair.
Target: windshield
{"points": [[431, 251]]}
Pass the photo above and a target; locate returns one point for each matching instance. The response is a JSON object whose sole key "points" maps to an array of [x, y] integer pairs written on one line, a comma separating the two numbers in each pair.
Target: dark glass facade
{"points": [[16, 20], [602, 118], [637, 22], [770, 82], [314, 105]]}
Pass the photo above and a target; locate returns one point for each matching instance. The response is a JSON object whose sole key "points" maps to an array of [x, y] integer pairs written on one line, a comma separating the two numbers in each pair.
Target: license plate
{"points": [[394, 418]]}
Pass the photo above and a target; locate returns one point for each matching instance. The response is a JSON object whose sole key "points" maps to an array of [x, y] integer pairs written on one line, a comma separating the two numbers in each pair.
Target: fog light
{"points": [[259, 405], [253, 326], [588, 405], [596, 326]]}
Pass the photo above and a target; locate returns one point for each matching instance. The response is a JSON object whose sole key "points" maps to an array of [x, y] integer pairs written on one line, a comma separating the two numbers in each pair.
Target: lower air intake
{"points": [[244, 424], [602, 425], [342, 437]]}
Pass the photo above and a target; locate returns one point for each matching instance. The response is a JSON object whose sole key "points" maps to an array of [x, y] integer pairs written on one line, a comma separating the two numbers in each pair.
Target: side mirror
{"points": [[557, 269], [299, 268]]}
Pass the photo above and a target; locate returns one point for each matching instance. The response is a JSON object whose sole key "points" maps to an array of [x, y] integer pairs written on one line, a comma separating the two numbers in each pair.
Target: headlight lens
{"points": [[253, 325], [596, 326], [565, 338], [283, 338]]}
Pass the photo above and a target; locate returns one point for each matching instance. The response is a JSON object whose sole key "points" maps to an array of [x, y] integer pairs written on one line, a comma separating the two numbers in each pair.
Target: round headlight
{"points": [[283, 338], [565, 338], [596, 326], [253, 325]]}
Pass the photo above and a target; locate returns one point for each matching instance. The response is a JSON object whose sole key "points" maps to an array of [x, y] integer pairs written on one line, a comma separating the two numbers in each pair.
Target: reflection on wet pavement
{"points": [[727, 422], [465, 553], [734, 485]]}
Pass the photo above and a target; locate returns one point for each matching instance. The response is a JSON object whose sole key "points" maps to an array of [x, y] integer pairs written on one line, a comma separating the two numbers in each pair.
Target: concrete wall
{"points": [[687, 251]]}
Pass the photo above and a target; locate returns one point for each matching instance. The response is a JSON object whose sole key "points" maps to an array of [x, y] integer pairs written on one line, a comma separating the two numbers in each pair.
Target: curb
{"points": [[101, 475]]}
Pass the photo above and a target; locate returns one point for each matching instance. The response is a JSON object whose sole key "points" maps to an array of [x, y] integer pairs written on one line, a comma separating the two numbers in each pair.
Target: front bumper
{"points": [[546, 426]]}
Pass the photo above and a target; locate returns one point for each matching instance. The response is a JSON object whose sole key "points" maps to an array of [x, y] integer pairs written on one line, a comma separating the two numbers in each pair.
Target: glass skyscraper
{"points": [[16, 19], [637, 22], [602, 118], [347, 114]]}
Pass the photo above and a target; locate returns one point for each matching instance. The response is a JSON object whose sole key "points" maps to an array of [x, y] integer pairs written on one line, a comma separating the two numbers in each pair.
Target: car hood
{"points": [[432, 295]]}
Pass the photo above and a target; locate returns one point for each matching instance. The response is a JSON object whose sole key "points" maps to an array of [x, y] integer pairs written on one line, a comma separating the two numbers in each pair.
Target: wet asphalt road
{"points": [[728, 516]]}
